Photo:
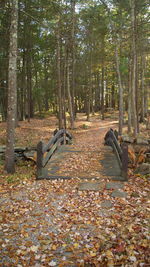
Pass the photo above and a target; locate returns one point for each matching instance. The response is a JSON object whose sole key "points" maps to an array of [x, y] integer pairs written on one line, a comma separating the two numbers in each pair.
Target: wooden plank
{"points": [[55, 137], [42, 174], [116, 152], [16, 149], [68, 135], [112, 135], [52, 140], [52, 150], [125, 161], [39, 162]]}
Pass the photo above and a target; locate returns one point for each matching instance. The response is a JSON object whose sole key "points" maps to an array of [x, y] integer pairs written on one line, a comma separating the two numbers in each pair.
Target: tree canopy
{"points": [[78, 56]]}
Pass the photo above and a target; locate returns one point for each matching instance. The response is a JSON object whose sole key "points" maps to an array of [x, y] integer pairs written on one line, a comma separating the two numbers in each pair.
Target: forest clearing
{"points": [[70, 222]]}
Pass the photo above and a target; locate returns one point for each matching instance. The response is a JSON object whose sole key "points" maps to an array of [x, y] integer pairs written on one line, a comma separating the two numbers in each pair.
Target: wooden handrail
{"points": [[52, 150], [121, 152], [116, 152], [53, 140], [45, 152]]}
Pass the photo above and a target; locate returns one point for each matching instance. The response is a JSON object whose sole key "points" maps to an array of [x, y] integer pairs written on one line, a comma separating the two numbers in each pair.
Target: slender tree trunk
{"points": [[69, 96], [12, 90], [64, 90], [120, 89], [88, 104], [129, 101], [46, 96], [23, 82], [134, 110], [103, 76], [29, 84], [60, 112], [143, 88], [102, 92], [28, 57], [73, 54], [97, 92], [91, 85], [113, 96], [137, 94]]}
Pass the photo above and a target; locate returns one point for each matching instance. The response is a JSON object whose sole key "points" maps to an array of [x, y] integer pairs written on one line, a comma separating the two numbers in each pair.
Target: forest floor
{"points": [[72, 222]]}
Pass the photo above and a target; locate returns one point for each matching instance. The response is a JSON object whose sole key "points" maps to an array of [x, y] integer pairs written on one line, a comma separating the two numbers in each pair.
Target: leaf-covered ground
{"points": [[53, 223]]}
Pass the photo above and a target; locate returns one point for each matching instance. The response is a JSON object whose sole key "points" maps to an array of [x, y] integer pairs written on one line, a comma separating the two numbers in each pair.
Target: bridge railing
{"points": [[45, 151], [121, 151]]}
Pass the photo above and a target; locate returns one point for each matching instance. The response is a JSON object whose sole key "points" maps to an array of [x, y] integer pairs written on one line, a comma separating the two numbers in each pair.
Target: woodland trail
{"points": [[82, 158], [64, 223]]}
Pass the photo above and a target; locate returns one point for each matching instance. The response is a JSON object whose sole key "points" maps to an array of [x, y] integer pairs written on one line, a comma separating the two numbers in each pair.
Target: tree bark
{"points": [[28, 57], [73, 54], [102, 92], [23, 84], [120, 89], [59, 84], [29, 84], [129, 101], [88, 104], [12, 90], [113, 96], [142, 88], [133, 97], [69, 96], [46, 95], [102, 75]]}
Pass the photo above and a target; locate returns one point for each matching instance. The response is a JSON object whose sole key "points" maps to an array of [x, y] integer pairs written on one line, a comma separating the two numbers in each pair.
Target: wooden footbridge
{"points": [[46, 151], [50, 155]]}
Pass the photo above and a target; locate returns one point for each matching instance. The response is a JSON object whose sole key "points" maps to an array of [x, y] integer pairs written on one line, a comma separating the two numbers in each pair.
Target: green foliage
{"points": [[85, 126], [18, 177], [124, 65], [94, 46]]}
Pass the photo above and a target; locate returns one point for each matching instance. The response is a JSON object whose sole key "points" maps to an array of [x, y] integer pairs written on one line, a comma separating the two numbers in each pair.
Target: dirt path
{"points": [[53, 223], [82, 158]]}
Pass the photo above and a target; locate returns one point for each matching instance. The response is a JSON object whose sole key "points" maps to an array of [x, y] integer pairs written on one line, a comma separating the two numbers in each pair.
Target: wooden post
{"points": [[39, 159], [124, 161], [64, 137]]}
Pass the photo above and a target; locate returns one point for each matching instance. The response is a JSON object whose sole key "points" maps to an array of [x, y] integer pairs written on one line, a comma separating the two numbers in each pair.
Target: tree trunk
{"points": [[28, 52], [64, 90], [102, 92], [113, 96], [12, 90], [133, 97], [73, 54], [137, 94], [97, 92], [59, 85], [103, 74], [29, 84], [120, 89], [46, 96], [23, 84], [142, 88], [129, 101], [69, 96], [88, 104]]}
